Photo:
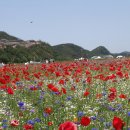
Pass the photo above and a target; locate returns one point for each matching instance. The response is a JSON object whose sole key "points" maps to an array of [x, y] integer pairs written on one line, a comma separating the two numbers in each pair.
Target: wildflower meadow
{"points": [[77, 95]]}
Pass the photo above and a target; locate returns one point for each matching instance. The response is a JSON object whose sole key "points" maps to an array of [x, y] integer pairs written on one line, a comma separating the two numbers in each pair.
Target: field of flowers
{"points": [[85, 95]]}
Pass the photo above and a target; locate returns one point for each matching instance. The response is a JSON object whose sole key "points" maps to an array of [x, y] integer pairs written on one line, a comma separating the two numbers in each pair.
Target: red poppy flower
{"points": [[126, 75], [40, 84], [3, 87], [89, 80], [85, 121], [48, 110], [28, 127], [99, 95], [117, 123], [112, 96], [10, 91], [120, 74], [113, 90], [61, 82], [68, 126], [50, 123], [50, 86], [77, 80], [2, 81], [73, 88], [63, 90], [58, 74], [7, 78], [67, 73], [123, 96], [87, 72], [53, 88], [14, 123], [112, 68], [86, 93], [37, 75]]}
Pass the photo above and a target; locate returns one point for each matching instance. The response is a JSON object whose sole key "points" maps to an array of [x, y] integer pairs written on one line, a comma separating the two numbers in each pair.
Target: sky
{"points": [[87, 23]]}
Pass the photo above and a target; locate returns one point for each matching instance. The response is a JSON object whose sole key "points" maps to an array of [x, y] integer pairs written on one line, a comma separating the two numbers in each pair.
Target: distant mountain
{"points": [[15, 50], [101, 50], [125, 53], [6, 36], [69, 51]]}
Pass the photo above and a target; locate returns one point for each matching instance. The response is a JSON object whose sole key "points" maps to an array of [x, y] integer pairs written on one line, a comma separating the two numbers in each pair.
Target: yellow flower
{"points": [[75, 119]]}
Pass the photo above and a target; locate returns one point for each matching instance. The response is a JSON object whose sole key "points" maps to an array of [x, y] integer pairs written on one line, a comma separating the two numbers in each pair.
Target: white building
{"points": [[120, 56], [96, 57]]}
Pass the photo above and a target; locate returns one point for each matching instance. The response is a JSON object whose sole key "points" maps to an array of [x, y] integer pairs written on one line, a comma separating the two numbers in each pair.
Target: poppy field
{"points": [[77, 95]]}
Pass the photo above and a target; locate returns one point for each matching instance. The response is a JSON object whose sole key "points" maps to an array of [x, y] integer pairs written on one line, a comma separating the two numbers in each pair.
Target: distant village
{"points": [[14, 43], [107, 57]]}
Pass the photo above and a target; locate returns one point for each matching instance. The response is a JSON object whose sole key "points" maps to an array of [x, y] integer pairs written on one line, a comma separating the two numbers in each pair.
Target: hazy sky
{"points": [[87, 23]]}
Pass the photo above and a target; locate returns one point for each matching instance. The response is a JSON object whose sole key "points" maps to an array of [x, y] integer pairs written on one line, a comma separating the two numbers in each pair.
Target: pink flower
{"points": [[14, 123], [68, 126]]}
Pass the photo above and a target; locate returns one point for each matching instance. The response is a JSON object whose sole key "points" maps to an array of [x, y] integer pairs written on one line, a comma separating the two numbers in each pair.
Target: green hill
{"points": [[69, 51], [4, 35], [101, 50], [15, 50], [21, 54]]}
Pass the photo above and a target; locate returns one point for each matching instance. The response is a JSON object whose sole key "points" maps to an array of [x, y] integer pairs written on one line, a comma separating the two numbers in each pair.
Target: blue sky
{"points": [[87, 23]]}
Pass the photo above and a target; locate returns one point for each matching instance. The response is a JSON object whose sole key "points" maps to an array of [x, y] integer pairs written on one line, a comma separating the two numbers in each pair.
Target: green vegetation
{"points": [[69, 51], [42, 51], [4, 35], [24, 51], [101, 50], [21, 54]]}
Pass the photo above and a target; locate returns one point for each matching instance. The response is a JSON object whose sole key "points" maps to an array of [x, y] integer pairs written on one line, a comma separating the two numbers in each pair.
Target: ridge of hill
{"points": [[69, 51], [15, 50], [6, 36], [101, 50]]}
